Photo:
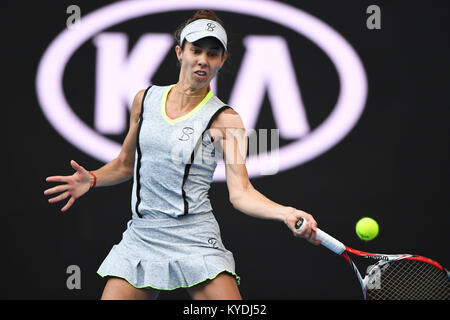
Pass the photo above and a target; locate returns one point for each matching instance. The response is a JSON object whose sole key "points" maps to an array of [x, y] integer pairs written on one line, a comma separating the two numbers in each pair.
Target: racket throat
{"points": [[362, 282]]}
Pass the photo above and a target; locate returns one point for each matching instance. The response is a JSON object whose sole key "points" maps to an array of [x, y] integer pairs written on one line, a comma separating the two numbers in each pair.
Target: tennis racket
{"points": [[393, 276]]}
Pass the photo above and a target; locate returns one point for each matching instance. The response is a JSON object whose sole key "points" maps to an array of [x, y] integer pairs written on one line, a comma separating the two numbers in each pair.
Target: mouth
{"points": [[200, 74]]}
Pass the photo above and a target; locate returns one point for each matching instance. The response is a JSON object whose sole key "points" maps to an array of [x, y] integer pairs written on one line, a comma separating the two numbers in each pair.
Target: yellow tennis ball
{"points": [[367, 229]]}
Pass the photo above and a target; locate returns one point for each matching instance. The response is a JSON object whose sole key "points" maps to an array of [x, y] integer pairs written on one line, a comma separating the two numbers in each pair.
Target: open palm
{"points": [[73, 186]]}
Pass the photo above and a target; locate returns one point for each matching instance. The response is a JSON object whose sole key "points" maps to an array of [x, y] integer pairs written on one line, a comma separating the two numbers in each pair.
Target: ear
{"points": [[224, 58], [178, 52]]}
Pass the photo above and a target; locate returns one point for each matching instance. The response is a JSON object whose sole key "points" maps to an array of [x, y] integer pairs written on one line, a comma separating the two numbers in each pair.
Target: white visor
{"points": [[203, 28]]}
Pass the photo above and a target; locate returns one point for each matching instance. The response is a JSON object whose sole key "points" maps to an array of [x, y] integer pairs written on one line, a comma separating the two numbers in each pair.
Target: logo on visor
{"points": [[211, 26], [266, 72]]}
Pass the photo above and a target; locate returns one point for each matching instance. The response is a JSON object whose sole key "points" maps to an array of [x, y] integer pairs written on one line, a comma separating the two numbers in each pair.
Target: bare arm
{"points": [[121, 168], [229, 129], [116, 171]]}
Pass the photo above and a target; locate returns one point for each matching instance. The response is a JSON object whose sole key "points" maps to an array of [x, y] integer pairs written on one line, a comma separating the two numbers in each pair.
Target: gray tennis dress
{"points": [[173, 239]]}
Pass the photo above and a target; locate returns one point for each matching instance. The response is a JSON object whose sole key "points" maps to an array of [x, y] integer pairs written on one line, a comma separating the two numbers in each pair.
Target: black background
{"points": [[393, 166]]}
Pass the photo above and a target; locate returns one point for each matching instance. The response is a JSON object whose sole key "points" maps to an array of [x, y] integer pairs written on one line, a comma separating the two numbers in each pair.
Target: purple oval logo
{"points": [[347, 111]]}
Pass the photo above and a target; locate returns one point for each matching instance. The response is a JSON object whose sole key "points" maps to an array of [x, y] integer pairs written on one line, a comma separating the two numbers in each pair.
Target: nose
{"points": [[203, 59]]}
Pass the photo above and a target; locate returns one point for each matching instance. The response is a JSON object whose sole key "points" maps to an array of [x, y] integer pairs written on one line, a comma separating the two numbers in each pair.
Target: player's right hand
{"points": [[310, 225], [73, 186]]}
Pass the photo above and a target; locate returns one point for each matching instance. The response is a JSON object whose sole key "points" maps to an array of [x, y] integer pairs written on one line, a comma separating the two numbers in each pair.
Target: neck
{"points": [[187, 97], [186, 91]]}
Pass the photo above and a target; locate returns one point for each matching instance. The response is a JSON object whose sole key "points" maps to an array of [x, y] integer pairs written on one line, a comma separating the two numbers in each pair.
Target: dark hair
{"points": [[200, 14]]}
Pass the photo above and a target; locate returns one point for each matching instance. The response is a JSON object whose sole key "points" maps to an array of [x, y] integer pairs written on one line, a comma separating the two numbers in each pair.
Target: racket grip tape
{"points": [[327, 241]]}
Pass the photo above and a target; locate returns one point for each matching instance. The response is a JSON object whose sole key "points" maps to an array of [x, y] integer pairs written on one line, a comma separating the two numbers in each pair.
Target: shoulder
{"points": [[228, 118], [138, 98], [136, 106], [142, 94]]}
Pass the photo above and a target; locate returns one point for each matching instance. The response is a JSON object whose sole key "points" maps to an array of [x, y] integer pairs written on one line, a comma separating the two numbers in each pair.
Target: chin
{"points": [[201, 83]]}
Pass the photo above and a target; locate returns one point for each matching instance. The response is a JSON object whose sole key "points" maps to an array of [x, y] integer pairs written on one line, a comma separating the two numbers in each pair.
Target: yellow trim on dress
{"points": [[208, 96]]}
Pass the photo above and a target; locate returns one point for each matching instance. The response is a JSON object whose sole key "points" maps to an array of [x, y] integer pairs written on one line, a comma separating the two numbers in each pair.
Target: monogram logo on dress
{"points": [[213, 242], [187, 133], [211, 26]]}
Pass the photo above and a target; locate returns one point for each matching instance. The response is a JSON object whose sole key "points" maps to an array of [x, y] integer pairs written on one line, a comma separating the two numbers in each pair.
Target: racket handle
{"points": [[327, 241]]}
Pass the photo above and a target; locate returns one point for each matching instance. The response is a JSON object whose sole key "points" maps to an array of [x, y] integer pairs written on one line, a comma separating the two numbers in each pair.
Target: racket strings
{"points": [[408, 280]]}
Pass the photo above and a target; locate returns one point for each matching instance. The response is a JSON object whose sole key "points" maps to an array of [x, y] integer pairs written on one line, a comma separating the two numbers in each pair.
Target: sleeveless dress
{"points": [[173, 239]]}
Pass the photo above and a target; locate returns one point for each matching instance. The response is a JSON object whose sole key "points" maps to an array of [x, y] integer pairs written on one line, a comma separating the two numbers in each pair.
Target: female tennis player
{"points": [[175, 136]]}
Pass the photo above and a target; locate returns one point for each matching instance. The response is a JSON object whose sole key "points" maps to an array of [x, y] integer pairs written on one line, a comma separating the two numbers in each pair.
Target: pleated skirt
{"points": [[169, 253]]}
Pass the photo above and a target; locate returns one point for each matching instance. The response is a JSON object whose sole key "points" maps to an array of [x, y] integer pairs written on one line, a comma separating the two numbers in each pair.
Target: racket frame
{"points": [[382, 259]]}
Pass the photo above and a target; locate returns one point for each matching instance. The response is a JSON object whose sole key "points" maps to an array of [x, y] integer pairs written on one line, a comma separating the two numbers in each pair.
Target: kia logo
{"points": [[254, 78]]}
